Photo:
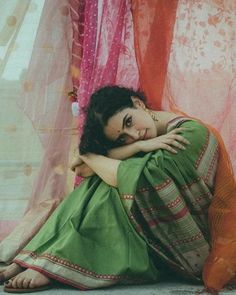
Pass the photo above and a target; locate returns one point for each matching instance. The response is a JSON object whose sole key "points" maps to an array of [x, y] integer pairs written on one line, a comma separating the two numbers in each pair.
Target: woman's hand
{"points": [[169, 141], [81, 169], [77, 162]]}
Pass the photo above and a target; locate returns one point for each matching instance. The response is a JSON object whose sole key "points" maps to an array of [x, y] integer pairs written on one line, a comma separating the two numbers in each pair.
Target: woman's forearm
{"points": [[103, 166], [125, 151]]}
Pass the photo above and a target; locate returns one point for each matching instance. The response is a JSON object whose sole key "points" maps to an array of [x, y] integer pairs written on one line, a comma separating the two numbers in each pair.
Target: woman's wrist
{"points": [[139, 145]]}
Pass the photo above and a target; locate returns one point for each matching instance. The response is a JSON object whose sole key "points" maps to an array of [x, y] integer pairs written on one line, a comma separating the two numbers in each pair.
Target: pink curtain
{"points": [[77, 14], [45, 103], [108, 50]]}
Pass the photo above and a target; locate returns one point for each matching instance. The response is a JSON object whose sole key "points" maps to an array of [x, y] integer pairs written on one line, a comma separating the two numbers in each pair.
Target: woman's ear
{"points": [[138, 103]]}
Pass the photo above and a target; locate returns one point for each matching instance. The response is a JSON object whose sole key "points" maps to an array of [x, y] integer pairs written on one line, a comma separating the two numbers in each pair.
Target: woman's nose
{"points": [[133, 134]]}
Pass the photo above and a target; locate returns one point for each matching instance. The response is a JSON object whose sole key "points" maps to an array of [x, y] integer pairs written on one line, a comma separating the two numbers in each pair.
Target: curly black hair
{"points": [[103, 104]]}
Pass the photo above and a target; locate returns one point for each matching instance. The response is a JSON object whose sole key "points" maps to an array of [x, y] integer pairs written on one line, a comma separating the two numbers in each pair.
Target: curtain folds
{"points": [[108, 51], [42, 101]]}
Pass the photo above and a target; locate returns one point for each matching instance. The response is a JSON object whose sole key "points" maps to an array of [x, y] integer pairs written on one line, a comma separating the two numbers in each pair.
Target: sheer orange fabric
{"points": [[220, 266], [153, 29], [154, 25]]}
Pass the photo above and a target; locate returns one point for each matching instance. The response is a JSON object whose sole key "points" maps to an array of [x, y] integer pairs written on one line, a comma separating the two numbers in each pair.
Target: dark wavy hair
{"points": [[103, 104]]}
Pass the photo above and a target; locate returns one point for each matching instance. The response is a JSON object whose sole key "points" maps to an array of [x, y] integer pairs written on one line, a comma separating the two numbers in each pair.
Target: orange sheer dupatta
{"points": [[153, 27], [153, 31], [220, 266]]}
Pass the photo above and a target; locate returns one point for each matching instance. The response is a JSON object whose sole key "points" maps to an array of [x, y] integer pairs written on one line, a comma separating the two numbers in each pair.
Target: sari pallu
{"points": [[100, 235]]}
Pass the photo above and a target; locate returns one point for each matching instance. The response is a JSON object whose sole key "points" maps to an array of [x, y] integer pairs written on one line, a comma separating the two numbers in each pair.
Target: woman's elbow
{"points": [[111, 180]]}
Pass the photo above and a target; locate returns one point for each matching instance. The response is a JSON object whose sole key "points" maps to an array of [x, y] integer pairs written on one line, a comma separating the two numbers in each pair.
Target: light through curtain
{"points": [[20, 150], [201, 79], [36, 116]]}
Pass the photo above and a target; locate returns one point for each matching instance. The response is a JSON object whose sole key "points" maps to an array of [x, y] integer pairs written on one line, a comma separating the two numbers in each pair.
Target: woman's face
{"points": [[130, 125]]}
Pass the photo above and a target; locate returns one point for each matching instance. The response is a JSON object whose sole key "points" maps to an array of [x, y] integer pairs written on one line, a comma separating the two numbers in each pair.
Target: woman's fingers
{"points": [[83, 170], [169, 148], [174, 140], [173, 135], [76, 163], [180, 138], [178, 145]]}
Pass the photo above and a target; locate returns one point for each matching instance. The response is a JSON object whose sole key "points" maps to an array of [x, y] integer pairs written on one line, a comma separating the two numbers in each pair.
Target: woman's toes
{"points": [[19, 282], [13, 283], [25, 283], [32, 284]]}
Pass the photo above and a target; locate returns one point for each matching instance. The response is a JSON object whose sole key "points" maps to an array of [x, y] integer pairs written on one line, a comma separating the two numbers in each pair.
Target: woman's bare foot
{"points": [[28, 279], [10, 271]]}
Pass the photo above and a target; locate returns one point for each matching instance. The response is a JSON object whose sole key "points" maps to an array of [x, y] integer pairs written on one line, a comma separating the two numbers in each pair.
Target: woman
{"points": [[142, 215]]}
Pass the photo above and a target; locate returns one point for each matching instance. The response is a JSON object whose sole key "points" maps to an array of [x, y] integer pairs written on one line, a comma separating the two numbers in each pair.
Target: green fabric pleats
{"points": [[89, 241]]}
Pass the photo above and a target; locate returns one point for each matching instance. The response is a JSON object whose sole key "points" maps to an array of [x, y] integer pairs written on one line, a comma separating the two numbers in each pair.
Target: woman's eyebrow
{"points": [[123, 125]]}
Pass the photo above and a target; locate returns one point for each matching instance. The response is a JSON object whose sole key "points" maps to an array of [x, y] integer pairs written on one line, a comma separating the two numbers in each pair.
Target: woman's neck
{"points": [[163, 119]]}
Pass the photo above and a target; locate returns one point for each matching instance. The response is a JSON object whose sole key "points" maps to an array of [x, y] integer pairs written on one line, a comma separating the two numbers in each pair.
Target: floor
{"points": [[164, 288], [172, 286]]}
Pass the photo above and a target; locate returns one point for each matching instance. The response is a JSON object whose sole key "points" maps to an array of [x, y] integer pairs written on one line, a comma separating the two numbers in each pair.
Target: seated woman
{"points": [[144, 212]]}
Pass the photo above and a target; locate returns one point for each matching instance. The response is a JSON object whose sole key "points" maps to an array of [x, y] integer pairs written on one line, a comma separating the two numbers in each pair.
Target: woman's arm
{"points": [[82, 169], [103, 166], [168, 141]]}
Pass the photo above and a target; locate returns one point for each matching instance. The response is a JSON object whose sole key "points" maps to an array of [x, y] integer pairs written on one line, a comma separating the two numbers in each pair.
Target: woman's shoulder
{"points": [[177, 121]]}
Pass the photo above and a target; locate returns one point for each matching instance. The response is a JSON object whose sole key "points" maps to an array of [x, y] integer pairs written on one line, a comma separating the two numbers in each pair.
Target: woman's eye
{"points": [[128, 122]]}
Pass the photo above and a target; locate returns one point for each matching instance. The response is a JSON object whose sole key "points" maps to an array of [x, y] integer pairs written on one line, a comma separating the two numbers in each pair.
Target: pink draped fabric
{"points": [[44, 101], [48, 82], [108, 50], [77, 14]]}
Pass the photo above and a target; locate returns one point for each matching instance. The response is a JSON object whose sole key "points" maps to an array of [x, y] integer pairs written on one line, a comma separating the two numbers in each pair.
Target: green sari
{"points": [[155, 220]]}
